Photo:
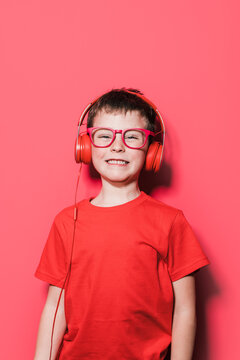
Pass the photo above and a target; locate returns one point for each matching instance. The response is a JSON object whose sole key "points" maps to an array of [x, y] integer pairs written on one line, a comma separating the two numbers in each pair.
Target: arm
{"points": [[45, 327], [184, 318]]}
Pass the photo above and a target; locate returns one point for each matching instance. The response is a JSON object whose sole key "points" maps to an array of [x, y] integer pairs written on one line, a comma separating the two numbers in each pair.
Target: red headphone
{"points": [[154, 154]]}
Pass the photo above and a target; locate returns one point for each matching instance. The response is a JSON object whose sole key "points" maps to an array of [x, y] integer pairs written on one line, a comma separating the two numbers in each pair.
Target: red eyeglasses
{"points": [[134, 138]]}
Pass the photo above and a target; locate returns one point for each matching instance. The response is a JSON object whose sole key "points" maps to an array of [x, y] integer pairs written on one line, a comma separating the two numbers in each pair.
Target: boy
{"points": [[131, 291]]}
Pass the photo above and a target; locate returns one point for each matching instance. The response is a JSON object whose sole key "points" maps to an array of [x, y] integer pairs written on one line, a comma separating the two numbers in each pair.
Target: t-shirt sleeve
{"points": [[185, 254], [53, 264]]}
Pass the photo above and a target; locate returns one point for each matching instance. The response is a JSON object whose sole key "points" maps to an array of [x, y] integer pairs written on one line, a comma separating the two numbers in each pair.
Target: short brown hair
{"points": [[122, 101]]}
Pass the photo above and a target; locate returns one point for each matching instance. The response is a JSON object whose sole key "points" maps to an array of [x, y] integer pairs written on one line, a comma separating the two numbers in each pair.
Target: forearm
{"points": [[183, 334], [45, 331]]}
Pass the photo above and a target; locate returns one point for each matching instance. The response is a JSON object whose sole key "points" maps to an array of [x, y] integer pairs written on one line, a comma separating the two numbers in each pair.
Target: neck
{"points": [[112, 195]]}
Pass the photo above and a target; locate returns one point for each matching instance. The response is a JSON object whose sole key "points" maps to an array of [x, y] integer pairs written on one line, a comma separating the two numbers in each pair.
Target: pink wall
{"points": [[55, 57]]}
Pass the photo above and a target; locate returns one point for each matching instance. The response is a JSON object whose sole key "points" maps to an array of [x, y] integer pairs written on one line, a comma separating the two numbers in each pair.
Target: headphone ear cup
{"points": [[153, 157], [83, 152]]}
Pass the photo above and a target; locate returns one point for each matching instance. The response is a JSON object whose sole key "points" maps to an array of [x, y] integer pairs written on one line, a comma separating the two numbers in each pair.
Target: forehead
{"points": [[120, 120]]}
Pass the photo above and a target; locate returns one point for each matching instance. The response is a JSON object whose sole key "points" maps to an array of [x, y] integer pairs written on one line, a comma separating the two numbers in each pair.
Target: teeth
{"points": [[117, 162]]}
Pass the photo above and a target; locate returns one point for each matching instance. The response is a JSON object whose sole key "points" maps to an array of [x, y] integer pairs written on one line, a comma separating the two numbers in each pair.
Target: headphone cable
{"points": [[75, 215]]}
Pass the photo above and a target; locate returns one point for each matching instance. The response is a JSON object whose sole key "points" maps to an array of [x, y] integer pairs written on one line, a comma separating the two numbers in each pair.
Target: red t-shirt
{"points": [[119, 298]]}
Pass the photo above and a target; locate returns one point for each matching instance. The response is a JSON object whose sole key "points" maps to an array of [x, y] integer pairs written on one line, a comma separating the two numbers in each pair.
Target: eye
{"points": [[132, 137], [132, 134], [103, 136]]}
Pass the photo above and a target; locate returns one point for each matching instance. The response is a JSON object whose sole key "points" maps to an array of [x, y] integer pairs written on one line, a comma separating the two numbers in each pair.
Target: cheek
{"points": [[97, 154], [140, 156]]}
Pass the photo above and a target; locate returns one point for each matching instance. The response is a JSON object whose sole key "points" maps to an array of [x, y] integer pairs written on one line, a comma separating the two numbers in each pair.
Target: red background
{"points": [[57, 56]]}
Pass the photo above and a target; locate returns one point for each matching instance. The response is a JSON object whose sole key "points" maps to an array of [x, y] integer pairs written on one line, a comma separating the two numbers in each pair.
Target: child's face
{"points": [[113, 173]]}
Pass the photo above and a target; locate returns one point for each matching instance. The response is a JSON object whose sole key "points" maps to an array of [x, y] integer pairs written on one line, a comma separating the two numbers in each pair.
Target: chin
{"points": [[116, 178]]}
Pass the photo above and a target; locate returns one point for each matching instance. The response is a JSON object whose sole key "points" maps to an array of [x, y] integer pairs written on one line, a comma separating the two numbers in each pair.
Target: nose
{"points": [[118, 144]]}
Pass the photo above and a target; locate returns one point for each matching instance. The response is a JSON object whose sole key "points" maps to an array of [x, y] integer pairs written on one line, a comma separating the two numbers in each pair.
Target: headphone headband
{"points": [[150, 103]]}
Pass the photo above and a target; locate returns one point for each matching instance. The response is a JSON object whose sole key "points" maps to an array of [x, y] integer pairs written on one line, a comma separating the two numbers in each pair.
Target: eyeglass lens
{"points": [[133, 138]]}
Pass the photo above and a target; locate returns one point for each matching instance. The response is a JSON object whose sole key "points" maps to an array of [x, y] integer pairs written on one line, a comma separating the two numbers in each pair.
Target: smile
{"points": [[117, 162]]}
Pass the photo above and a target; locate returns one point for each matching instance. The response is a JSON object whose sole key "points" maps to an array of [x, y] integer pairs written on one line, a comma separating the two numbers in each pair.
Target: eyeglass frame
{"points": [[116, 131]]}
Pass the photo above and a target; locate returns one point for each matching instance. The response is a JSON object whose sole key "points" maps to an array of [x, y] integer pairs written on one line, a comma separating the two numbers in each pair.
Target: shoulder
{"points": [[64, 217], [66, 214], [160, 208]]}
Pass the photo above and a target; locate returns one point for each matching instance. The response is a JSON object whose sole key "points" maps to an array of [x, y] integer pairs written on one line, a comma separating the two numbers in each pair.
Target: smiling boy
{"points": [[131, 292]]}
